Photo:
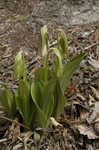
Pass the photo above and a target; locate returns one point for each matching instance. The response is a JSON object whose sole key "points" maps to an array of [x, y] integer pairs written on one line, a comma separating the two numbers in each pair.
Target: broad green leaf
{"points": [[24, 102], [62, 43], [69, 69], [42, 95], [19, 66], [59, 100], [7, 99], [37, 94], [44, 74], [48, 98], [44, 41], [41, 74]]}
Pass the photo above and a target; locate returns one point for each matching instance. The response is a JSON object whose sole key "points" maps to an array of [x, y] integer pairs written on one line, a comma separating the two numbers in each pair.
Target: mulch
{"points": [[80, 119]]}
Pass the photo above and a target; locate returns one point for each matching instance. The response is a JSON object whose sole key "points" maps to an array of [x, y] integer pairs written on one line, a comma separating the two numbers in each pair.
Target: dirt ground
{"points": [[80, 119]]}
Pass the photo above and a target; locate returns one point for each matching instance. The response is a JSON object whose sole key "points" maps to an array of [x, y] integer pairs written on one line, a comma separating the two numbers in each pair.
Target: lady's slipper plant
{"points": [[42, 97]]}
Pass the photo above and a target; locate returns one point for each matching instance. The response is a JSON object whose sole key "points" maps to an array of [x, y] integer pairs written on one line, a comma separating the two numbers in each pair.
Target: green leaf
{"points": [[37, 93], [19, 66], [44, 41], [58, 66], [24, 102], [42, 95], [69, 69], [7, 99], [59, 101], [62, 42], [48, 97], [42, 74]]}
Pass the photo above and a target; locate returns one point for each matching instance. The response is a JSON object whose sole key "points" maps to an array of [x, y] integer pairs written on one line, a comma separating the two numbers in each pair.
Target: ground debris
{"points": [[78, 127]]}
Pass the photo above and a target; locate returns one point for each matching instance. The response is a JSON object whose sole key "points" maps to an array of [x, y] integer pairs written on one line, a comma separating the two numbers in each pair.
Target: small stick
{"points": [[3, 140], [90, 46], [3, 117]]}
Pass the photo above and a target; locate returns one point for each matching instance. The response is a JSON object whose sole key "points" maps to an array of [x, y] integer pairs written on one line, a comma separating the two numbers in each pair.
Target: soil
{"points": [[20, 24]]}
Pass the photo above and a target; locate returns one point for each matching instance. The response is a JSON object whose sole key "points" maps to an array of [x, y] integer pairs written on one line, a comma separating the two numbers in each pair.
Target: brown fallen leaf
{"points": [[87, 131]]}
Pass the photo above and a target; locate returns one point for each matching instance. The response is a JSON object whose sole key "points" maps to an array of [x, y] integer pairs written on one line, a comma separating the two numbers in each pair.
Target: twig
{"points": [[20, 124], [3, 140], [90, 46]]}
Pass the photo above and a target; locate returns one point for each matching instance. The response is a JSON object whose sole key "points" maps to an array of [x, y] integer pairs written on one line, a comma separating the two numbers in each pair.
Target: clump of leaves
{"points": [[43, 96]]}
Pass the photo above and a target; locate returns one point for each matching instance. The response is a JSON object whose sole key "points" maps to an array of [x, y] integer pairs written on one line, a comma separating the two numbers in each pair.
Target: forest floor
{"points": [[79, 123]]}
